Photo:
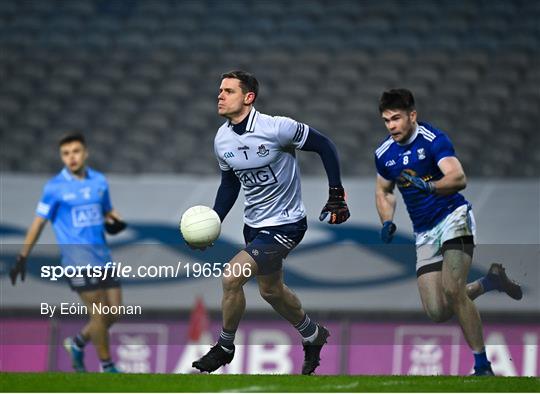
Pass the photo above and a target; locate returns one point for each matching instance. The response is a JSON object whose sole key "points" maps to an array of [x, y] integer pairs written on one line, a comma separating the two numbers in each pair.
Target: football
{"points": [[200, 226]]}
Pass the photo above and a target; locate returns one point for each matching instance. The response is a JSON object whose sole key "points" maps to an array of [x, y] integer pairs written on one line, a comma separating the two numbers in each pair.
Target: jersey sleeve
{"points": [[48, 203], [290, 132], [442, 147], [221, 161], [381, 168], [106, 203]]}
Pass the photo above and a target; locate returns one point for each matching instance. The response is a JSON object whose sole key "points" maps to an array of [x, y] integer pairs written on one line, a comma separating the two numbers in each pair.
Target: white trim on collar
{"points": [[251, 120], [411, 138], [66, 174]]}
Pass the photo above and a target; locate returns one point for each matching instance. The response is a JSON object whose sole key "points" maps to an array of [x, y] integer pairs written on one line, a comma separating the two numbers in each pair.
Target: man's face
{"points": [[231, 99], [399, 123], [73, 155]]}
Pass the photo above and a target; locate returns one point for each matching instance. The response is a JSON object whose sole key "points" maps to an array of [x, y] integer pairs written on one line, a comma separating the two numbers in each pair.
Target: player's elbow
{"points": [[461, 181], [456, 181], [382, 195], [379, 197]]}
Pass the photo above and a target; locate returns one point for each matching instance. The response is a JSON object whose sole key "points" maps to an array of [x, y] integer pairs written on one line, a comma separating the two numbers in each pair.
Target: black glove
{"points": [[387, 231], [115, 226], [336, 206], [18, 268]]}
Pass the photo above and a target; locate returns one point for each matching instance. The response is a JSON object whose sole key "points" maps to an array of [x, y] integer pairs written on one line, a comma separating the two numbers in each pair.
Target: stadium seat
{"points": [[136, 68]]}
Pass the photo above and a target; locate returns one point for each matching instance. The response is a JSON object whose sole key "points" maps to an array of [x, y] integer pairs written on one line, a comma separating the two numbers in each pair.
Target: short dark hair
{"points": [[72, 137], [248, 82], [397, 99]]}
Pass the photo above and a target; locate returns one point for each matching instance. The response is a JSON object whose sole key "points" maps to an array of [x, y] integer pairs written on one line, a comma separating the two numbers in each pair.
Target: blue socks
{"points": [[106, 364], [307, 328], [480, 360], [80, 341], [489, 282]]}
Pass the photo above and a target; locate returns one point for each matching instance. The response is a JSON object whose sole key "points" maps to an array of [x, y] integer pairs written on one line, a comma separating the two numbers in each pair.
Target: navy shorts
{"points": [[88, 283], [270, 245]]}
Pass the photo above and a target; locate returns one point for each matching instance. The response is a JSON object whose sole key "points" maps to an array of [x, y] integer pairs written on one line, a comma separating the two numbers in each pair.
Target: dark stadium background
{"points": [[140, 79]]}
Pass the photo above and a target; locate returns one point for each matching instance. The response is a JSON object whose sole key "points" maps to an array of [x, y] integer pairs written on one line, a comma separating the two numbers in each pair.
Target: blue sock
{"points": [[106, 364], [306, 327], [480, 360], [80, 341], [226, 338], [489, 282]]}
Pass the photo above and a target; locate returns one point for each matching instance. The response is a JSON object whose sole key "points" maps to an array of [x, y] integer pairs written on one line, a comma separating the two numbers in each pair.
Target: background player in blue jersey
{"points": [[77, 203], [258, 153], [421, 160]]}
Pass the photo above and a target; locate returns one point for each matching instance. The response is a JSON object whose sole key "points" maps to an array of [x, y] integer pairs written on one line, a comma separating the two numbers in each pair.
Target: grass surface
{"points": [[93, 382]]}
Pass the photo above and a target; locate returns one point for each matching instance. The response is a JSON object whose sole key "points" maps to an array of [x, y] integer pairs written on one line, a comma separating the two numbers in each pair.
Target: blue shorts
{"points": [[270, 245], [87, 283]]}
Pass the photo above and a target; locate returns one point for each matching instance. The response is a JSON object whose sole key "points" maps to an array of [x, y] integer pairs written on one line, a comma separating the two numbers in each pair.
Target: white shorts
{"points": [[429, 243]]}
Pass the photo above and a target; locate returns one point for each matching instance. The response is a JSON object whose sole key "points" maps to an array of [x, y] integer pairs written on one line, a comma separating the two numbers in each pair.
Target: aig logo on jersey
{"points": [[87, 215], [260, 176]]}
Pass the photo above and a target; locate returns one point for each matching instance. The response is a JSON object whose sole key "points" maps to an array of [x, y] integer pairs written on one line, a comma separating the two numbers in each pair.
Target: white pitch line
{"points": [[390, 383], [341, 386], [249, 388]]}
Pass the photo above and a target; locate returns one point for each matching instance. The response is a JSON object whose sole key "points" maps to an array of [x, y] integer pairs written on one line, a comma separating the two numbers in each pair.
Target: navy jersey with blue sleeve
{"points": [[76, 209], [419, 157]]}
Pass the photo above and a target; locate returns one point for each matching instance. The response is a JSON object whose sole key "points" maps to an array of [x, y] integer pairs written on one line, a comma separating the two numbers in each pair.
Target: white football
{"points": [[200, 226]]}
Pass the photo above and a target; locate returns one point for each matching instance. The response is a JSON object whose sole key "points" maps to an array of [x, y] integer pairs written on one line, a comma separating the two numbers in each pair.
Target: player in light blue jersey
{"points": [[257, 152], [421, 161], [77, 203]]}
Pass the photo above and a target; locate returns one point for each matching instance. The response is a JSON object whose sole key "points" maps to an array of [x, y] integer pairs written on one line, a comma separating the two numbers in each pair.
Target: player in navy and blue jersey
{"points": [[257, 152], [77, 203], [421, 161]]}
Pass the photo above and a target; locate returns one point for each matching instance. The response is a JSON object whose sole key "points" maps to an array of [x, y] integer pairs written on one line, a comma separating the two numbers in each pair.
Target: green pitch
{"points": [[93, 382]]}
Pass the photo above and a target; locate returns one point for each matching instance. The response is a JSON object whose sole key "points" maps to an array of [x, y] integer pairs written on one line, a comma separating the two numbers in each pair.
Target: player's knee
{"points": [[232, 283], [112, 318], [454, 293], [101, 319], [437, 314], [271, 294]]}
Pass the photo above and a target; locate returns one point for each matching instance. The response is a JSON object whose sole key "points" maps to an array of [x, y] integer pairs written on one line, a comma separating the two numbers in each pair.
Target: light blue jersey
{"points": [[76, 209]]}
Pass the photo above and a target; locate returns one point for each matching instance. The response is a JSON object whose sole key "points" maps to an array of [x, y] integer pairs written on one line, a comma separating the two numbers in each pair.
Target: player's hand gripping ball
{"points": [[200, 226]]}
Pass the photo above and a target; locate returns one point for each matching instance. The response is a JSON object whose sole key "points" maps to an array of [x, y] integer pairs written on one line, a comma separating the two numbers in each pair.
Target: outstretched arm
{"points": [[336, 205], [317, 142], [227, 193], [32, 236], [385, 200]]}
